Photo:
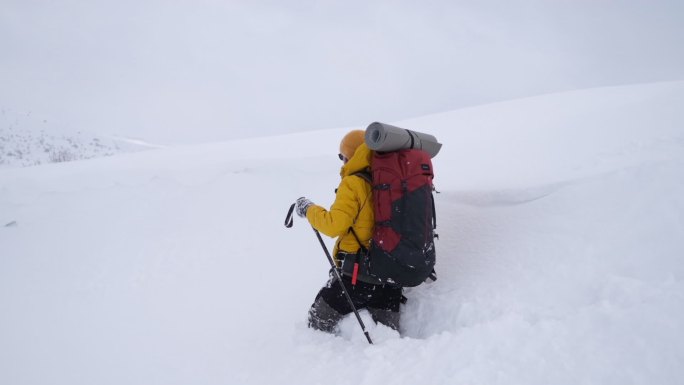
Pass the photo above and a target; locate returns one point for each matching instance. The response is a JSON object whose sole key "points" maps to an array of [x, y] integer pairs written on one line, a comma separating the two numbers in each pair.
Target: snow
{"points": [[26, 139], [559, 261]]}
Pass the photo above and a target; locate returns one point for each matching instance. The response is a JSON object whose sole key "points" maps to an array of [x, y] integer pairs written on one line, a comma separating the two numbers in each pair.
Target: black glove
{"points": [[303, 205]]}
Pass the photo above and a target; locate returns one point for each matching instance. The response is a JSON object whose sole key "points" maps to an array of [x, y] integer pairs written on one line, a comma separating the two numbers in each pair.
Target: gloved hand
{"points": [[303, 205]]}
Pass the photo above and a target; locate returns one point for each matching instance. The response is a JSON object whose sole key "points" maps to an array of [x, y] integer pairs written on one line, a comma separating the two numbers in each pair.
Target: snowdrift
{"points": [[26, 139]]}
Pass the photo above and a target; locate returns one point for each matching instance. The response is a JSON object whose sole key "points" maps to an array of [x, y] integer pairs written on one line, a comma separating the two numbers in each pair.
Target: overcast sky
{"points": [[188, 71]]}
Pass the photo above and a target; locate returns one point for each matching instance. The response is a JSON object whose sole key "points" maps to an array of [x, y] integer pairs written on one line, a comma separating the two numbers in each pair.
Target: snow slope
{"points": [[560, 260], [26, 139]]}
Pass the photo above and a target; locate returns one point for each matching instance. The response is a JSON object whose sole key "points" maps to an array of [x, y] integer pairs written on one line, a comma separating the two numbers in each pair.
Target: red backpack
{"points": [[402, 249]]}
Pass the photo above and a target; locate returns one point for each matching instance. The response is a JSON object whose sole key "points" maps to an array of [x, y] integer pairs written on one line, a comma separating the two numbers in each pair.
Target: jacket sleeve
{"points": [[340, 217]]}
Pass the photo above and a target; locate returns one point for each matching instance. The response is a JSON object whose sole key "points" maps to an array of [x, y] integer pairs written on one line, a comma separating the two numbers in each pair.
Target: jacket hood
{"points": [[359, 162]]}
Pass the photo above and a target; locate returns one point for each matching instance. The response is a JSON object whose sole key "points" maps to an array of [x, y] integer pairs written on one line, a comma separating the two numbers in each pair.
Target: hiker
{"points": [[351, 220]]}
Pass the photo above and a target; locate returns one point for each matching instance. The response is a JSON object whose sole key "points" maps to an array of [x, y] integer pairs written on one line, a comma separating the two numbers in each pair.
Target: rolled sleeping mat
{"points": [[383, 137]]}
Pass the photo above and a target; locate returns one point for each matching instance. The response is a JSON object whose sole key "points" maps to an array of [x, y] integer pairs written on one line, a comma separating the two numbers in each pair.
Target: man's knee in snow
{"points": [[323, 317], [386, 317]]}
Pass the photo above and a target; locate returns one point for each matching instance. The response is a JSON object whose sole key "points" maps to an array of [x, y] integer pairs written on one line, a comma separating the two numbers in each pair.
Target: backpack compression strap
{"points": [[413, 140]]}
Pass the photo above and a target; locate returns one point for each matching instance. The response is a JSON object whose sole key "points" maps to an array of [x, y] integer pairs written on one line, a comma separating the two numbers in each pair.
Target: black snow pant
{"points": [[331, 305]]}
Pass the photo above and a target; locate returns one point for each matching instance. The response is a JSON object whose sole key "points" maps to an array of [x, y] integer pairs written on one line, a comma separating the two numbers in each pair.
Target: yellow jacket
{"points": [[353, 207]]}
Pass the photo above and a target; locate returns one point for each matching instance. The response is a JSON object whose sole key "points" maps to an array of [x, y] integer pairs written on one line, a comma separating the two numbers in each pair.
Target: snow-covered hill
{"points": [[560, 260], [28, 140]]}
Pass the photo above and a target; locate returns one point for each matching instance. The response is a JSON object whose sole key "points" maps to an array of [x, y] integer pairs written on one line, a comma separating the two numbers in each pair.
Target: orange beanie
{"points": [[351, 142]]}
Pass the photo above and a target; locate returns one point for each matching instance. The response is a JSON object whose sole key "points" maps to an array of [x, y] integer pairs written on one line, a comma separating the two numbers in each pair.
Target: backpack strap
{"points": [[433, 274], [365, 175], [434, 213], [413, 140], [363, 248], [357, 257]]}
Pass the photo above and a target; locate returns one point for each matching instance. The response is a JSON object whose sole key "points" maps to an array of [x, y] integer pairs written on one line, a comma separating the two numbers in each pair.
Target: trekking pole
{"points": [[288, 224], [344, 289]]}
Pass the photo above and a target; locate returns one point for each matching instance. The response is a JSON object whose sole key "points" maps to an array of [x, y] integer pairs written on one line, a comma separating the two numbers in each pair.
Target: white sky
{"points": [[185, 71]]}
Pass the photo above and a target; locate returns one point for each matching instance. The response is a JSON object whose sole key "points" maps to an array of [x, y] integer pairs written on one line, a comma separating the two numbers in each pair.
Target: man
{"points": [[351, 220]]}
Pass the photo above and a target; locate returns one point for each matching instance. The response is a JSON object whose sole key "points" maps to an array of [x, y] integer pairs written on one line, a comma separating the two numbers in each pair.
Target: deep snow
{"points": [[560, 259]]}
